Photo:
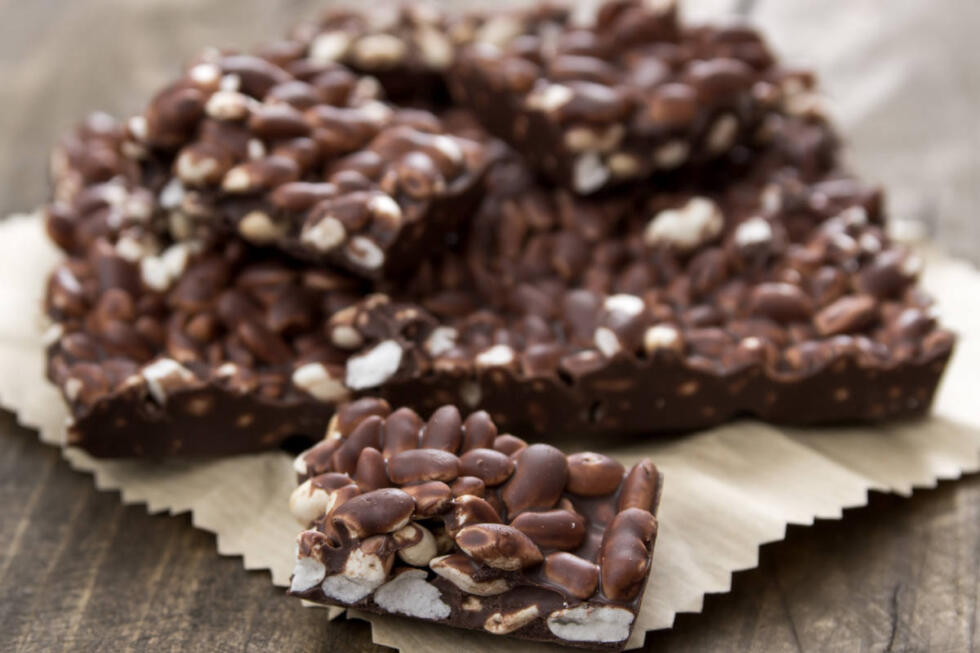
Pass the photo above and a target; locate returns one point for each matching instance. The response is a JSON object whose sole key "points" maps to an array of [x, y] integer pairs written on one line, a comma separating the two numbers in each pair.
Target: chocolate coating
{"points": [[632, 95], [758, 283], [516, 572]]}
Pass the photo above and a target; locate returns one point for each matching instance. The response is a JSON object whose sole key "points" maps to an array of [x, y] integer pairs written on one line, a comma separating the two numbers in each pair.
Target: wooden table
{"points": [[79, 571]]}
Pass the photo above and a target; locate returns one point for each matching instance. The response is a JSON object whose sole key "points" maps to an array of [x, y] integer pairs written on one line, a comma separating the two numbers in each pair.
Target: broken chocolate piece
{"points": [[773, 293], [556, 548], [310, 161], [761, 283], [408, 48], [628, 95]]}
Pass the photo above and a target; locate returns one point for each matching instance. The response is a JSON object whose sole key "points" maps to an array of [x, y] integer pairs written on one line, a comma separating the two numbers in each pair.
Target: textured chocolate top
{"points": [[772, 271], [408, 47], [481, 512], [290, 146], [301, 155], [775, 273], [743, 285], [597, 103]]}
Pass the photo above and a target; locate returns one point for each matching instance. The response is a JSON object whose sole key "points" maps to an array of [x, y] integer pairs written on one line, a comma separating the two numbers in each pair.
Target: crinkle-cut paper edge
{"points": [[728, 491]]}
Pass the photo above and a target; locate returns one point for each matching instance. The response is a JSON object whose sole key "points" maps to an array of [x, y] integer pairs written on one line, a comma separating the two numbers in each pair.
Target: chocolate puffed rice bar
{"points": [[761, 283], [772, 292], [408, 47], [301, 155], [451, 522], [629, 94]]}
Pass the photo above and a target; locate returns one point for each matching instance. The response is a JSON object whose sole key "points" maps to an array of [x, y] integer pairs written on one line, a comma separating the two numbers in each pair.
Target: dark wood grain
{"points": [[79, 571]]}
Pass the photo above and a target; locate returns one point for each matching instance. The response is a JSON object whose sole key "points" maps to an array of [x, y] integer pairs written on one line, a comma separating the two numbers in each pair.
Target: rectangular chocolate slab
{"points": [[448, 521], [628, 95], [598, 317]]}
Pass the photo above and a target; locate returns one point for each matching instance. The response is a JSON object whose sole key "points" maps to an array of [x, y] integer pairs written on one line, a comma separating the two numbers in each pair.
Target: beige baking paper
{"points": [[727, 490]]}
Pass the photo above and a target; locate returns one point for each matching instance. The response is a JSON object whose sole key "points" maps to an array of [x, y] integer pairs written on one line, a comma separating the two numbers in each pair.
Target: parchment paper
{"points": [[727, 490], [895, 71]]}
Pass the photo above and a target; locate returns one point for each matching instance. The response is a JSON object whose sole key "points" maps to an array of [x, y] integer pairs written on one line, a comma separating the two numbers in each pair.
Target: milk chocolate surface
{"points": [[632, 94], [274, 236], [302, 156], [447, 520]]}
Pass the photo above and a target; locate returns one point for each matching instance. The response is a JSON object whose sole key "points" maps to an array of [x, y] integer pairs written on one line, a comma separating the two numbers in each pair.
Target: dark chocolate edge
{"points": [[508, 397]]}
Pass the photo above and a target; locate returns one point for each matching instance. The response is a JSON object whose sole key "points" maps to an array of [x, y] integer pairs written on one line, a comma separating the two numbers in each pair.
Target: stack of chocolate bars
{"points": [[560, 225]]}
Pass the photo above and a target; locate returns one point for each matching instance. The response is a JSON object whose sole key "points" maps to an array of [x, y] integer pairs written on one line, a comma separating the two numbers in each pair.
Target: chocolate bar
{"points": [[302, 157], [409, 47], [237, 253], [775, 293], [772, 297], [405, 47], [447, 521], [629, 95]]}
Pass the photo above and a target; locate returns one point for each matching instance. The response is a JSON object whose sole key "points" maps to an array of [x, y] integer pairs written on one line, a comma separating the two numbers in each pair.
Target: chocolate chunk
{"points": [[677, 338], [571, 571], [346, 180], [761, 283], [614, 101]]}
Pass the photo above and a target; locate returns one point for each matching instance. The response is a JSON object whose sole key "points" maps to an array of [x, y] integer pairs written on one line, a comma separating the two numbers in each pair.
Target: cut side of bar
{"points": [[448, 521]]}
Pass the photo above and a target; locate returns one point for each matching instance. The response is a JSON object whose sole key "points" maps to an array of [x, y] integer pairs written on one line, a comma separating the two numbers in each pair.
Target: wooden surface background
{"points": [[79, 571]]}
